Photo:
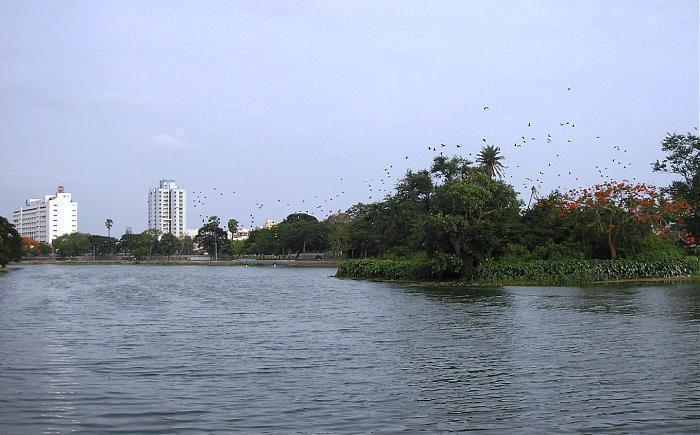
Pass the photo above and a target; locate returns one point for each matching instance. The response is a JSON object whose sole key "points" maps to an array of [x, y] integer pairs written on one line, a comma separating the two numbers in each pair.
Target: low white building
{"points": [[241, 234], [45, 219]]}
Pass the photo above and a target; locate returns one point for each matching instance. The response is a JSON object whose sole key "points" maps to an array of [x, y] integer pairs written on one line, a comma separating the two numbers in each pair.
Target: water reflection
{"points": [[448, 293]]}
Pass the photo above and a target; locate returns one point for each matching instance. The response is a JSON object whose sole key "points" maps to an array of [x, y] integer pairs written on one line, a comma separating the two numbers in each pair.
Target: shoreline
{"points": [[463, 284], [241, 262], [335, 264]]}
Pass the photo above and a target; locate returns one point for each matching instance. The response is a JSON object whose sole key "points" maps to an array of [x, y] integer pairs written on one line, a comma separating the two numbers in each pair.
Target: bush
{"points": [[582, 271], [653, 247], [417, 268]]}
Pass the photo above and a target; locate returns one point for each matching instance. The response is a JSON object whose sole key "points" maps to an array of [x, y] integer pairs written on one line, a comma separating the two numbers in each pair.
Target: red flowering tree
{"points": [[30, 246], [616, 208]]}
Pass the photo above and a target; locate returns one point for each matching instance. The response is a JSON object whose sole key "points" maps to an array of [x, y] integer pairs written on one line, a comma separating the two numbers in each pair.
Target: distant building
{"points": [[45, 219], [167, 208], [241, 234], [270, 223]]}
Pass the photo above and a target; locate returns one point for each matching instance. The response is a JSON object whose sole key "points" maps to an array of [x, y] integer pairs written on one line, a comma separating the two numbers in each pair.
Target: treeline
{"points": [[139, 245], [444, 222]]}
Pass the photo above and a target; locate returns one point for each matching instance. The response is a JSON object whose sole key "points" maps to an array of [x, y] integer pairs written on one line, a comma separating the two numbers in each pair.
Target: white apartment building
{"points": [[45, 219], [167, 208]]}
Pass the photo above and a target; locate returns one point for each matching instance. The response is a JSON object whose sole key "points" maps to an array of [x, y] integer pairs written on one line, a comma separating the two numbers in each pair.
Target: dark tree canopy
{"points": [[10, 243]]}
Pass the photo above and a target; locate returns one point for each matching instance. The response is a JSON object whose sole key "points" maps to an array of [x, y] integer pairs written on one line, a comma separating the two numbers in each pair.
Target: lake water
{"points": [[219, 349]]}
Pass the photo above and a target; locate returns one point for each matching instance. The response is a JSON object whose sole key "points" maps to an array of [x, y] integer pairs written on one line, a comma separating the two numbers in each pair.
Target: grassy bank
{"points": [[541, 272]]}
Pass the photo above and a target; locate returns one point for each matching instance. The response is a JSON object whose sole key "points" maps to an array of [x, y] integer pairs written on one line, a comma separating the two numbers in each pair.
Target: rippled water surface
{"points": [[220, 349]]}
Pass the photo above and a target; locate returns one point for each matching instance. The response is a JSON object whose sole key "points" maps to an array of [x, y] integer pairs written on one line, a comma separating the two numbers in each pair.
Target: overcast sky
{"points": [[282, 99]]}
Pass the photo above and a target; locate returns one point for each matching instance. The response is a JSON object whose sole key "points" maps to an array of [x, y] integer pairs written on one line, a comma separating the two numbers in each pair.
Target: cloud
{"points": [[169, 141]]}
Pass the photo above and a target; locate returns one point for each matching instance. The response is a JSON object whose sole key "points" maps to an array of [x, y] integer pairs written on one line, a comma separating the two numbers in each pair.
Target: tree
{"points": [[169, 244], [449, 169], [108, 224], [263, 241], [232, 226], [151, 239], [73, 244], [102, 245], [339, 237], [187, 245], [128, 244], [622, 210], [31, 247], [299, 232], [10, 243], [490, 159], [211, 237], [683, 158], [471, 218]]}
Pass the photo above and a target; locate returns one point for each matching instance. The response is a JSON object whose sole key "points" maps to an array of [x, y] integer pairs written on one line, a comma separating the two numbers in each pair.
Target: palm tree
{"points": [[108, 224], [490, 159]]}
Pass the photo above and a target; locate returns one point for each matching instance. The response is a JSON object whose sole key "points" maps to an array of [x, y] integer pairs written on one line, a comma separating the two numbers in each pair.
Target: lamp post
{"points": [[216, 254]]}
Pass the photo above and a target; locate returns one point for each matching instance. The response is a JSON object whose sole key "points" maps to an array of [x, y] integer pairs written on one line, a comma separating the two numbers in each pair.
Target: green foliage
{"points": [[298, 233], [236, 247], [339, 238], [74, 244], [652, 247], [581, 271], [683, 158], [263, 241], [490, 159], [418, 268], [211, 237], [11, 247], [102, 245], [169, 244], [139, 245], [187, 245]]}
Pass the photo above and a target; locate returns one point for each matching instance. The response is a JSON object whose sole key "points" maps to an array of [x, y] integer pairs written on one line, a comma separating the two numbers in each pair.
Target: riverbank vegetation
{"points": [[467, 225]]}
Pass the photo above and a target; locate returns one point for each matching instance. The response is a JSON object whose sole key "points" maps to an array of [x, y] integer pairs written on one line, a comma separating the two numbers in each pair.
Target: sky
{"points": [[307, 103]]}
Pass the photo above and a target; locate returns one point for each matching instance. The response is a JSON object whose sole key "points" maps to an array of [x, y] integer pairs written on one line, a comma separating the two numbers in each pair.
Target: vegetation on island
{"points": [[458, 220]]}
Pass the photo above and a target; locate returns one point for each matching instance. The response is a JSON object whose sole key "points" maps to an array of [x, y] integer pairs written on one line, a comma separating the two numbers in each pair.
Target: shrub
{"points": [[417, 268], [582, 271], [653, 247]]}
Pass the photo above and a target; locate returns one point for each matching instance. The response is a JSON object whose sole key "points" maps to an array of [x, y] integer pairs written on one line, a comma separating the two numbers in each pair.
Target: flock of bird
{"points": [[379, 187]]}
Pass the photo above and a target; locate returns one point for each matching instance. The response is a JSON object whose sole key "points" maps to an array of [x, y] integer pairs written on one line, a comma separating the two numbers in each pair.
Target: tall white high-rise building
{"points": [[45, 219], [167, 208]]}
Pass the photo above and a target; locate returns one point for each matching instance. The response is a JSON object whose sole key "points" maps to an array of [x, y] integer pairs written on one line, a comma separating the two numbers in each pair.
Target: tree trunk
{"points": [[454, 241], [611, 245]]}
